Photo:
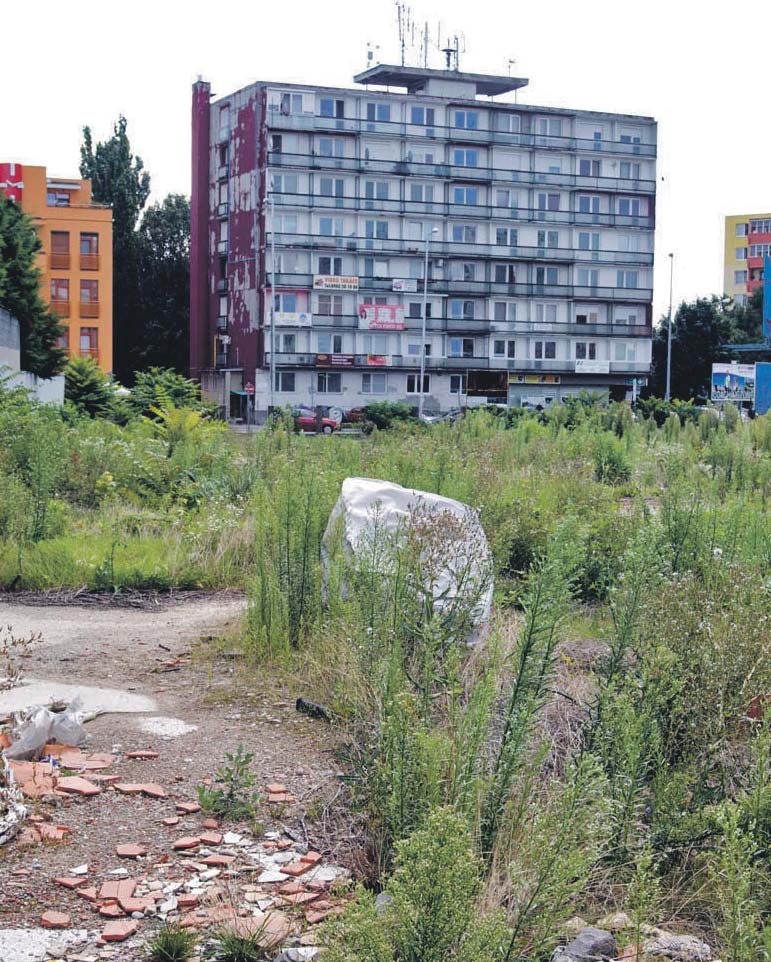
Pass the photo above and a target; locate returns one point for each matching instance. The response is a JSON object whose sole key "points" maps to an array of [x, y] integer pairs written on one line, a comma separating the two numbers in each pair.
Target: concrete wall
{"points": [[10, 341]]}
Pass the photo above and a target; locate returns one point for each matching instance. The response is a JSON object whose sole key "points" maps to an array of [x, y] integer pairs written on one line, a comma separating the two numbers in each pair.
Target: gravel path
{"points": [[221, 701]]}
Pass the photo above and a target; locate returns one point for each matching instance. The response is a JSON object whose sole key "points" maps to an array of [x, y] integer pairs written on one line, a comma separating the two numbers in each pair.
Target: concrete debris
{"points": [[682, 948], [90, 701], [166, 727], [12, 811], [39, 944]]}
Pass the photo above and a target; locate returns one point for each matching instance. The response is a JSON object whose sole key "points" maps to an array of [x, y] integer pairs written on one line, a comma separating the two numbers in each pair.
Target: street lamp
{"points": [[272, 366], [669, 328], [434, 230]]}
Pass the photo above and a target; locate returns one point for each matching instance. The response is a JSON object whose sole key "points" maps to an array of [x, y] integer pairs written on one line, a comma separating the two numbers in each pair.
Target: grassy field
{"points": [[604, 750]]}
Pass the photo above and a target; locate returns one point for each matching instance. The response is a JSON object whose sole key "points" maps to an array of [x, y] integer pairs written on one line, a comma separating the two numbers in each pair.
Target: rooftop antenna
{"points": [[511, 64], [425, 44], [406, 28], [453, 48]]}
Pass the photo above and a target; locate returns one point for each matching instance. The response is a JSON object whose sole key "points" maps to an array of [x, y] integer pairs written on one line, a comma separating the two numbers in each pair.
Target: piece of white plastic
{"points": [[457, 559], [41, 725], [12, 811]]}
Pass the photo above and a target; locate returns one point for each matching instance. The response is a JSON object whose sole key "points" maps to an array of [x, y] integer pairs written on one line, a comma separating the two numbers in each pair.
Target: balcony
{"points": [[59, 261], [89, 262], [61, 308], [89, 308], [92, 352]]}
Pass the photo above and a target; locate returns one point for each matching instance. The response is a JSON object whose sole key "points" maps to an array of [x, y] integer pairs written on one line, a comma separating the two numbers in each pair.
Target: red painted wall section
{"points": [[200, 348], [12, 181]]}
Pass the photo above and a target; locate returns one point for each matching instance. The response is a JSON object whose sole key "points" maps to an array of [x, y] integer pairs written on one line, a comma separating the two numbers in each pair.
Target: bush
{"points": [[171, 944], [383, 414], [611, 464], [87, 387]]}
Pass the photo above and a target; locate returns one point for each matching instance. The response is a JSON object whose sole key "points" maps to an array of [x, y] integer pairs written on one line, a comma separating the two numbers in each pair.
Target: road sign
{"points": [[249, 388]]}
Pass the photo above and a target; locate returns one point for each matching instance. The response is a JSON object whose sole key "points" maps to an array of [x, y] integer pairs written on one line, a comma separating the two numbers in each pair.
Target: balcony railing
{"points": [[89, 308], [308, 121], [89, 262], [60, 307], [59, 261], [92, 352]]}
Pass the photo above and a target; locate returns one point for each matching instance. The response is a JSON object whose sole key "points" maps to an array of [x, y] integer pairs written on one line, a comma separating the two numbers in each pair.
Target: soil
{"points": [[180, 651]]}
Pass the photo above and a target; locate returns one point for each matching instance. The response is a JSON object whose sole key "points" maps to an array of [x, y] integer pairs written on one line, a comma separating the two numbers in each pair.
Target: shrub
{"points": [[611, 464], [171, 944], [235, 799], [87, 387], [383, 414]]}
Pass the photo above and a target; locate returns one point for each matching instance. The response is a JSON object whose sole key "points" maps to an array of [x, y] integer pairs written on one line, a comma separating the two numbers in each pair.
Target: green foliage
{"points": [[235, 797], [230, 945], [383, 414], [163, 388], [87, 387], [20, 292], [611, 464], [171, 944]]}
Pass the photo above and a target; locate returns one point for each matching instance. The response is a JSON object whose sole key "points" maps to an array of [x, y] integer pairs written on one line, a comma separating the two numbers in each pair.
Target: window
{"points": [[464, 158], [331, 186], [422, 193], [373, 383], [757, 227], [60, 291], [629, 170], [741, 230], [329, 383], [544, 350], [629, 242], [460, 347], [507, 123], [375, 343], [546, 275], [376, 189], [379, 112], [590, 168], [376, 228], [330, 343], [586, 350], [331, 226], [464, 233], [760, 250], [465, 195], [457, 384], [629, 206], [631, 138], [291, 104], [331, 147], [467, 119], [89, 341], [591, 318], [623, 351], [548, 238], [330, 305], [551, 126], [740, 277], [276, 142], [504, 348], [548, 201], [588, 241], [504, 274], [89, 292], [63, 340], [58, 198], [285, 302], [413, 384], [60, 241], [588, 204], [285, 381], [462, 310], [546, 313], [285, 183], [285, 223], [741, 253], [287, 344], [423, 116], [589, 278], [506, 198], [504, 311], [413, 349], [463, 271], [329, 107], [506, 236], [331, 266], [626, 279]]}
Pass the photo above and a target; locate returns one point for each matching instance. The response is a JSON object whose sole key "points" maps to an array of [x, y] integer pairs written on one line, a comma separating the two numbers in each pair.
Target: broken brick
{"points": [[187, 841], [75, 785], [312, 858], [218, 860], [187, 901], [130, 851], [118, 931], [172, 820], [54, 920], [135, 904], [291, 888], [142, 753], [301, 898], [188, 808], [111, 911], [128, 788], [117, 890], [211, 838], [69, 883], [296, 868], [210, 823], [275, 789], [89, 894]]}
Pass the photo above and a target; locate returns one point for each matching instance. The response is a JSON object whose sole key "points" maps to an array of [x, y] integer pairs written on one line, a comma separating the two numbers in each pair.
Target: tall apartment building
{"points": [[76, 257], [747, 241], [538, 223]]}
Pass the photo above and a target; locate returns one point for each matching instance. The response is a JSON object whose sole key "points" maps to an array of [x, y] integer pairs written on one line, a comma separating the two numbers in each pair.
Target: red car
{"points": [[306, 421], [353, 415]]}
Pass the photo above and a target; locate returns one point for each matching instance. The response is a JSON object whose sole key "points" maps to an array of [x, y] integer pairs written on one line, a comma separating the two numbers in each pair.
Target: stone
{"points": [[210, 823], [118, 931], [590, 945], [172, 820], [615, 922], [299, 954], [574, 925], [188, 808], [75, 785], [683, 948], [54, 920]]}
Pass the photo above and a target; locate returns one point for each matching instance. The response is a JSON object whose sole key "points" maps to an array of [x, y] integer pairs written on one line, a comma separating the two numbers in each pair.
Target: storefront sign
{"points": [[331, 282], [733, 382], [381, 317], [405, 285], [585, 366], [534, 379], [334, 360]]}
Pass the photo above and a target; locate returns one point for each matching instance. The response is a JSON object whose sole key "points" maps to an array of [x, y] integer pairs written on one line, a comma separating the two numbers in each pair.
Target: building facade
{"points": [[747, 241], [76, 257], [537, 224]]}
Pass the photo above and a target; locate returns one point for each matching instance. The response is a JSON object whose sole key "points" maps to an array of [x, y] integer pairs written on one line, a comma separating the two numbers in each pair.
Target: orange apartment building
{"points": [[76, 257]]}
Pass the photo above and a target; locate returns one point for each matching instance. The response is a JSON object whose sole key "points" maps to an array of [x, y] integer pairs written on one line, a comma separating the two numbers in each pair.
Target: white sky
{"points": [[702, 70]]}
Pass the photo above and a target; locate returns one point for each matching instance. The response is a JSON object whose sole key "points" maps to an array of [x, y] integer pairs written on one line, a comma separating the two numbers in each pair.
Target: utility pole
{"points": [[272, 299], [669, 329], [434, 230]]}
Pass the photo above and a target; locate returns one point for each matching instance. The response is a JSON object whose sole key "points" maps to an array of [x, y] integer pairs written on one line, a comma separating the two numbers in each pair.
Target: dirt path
{"points": [[222, 700]]}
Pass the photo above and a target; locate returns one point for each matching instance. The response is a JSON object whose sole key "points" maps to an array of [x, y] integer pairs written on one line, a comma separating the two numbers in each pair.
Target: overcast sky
{"points": [[701, 70]]}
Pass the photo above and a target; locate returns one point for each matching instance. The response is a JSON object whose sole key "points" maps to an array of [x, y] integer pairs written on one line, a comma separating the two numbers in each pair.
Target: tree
{"points": [[20, 292], [119, 179], [164, 284], [88, 387], [163, 388], [700, 331]]}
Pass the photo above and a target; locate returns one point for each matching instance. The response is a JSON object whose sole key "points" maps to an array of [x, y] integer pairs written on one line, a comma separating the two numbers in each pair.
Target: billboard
{"points": [[767, 296], [334, 360], [381, 317], [733, 382], [11, 183], [331, 282], [587, 366], [406, 285], [762, 387], [378, 360], [534, 379]]}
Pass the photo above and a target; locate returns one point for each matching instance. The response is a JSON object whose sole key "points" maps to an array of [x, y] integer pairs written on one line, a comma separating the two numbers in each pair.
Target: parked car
{"points": [[353, 415], [305, 420], [452, 416]]}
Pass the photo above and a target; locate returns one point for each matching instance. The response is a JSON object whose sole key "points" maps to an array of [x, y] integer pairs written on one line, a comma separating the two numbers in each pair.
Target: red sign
{"points": [[249, 388], [334, 360], [382, 317], [11, 183], [377, 360]]}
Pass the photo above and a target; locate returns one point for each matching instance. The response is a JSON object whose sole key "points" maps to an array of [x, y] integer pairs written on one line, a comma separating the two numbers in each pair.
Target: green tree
{"points": [[701, 329], [119, 179], [163, 388], [87, 387], [20, 292], [163, 244]]}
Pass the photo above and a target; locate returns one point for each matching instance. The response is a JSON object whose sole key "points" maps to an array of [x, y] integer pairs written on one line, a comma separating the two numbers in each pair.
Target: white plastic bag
{"points": [[41, 725]]}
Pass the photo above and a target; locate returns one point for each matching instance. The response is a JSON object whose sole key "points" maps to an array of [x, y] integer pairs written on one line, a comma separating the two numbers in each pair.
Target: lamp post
{"points": [[669, 328], [434, 230], [272, 298]]}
